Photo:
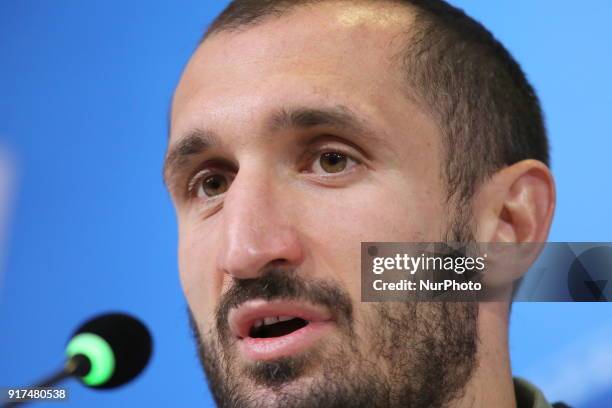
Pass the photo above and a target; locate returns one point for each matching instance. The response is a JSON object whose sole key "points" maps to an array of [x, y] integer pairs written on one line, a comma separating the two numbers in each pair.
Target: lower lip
{"points": [[261, 349]]}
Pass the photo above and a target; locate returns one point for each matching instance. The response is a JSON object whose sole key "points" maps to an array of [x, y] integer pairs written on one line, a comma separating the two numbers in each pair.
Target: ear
{"points": [[516, 205]]}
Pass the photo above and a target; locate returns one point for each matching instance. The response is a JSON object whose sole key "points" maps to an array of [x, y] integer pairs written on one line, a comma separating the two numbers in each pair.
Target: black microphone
{"points": [[105, 352]]}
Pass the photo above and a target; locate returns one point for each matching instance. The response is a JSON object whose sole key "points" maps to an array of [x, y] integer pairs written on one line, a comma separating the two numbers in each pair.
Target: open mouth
{"points": [[276, 326], [267, 330]]}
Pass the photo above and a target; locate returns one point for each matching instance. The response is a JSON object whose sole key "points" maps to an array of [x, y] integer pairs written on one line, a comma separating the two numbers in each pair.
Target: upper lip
{"points": [[242, 318]]}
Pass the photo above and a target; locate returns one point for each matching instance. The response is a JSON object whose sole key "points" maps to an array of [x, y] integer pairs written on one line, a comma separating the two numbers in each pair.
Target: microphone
{"points": [[105, 352]]}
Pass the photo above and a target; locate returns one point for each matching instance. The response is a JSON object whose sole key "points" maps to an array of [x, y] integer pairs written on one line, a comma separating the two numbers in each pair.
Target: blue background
{"points": [[84, 94]]}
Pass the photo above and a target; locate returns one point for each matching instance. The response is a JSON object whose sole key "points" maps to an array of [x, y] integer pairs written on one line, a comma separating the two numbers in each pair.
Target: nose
{"points": [[256, 229]]}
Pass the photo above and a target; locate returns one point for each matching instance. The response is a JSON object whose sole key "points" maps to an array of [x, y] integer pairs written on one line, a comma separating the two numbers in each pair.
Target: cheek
{"points": [[199, 279], [336, 226]]}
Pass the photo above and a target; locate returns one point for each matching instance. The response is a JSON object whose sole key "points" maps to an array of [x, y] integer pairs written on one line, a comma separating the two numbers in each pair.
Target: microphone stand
{"points": [[78, 365]]}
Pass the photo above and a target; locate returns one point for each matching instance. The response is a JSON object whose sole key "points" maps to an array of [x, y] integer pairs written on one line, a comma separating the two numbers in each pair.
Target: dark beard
{"points": [[422, 353]]}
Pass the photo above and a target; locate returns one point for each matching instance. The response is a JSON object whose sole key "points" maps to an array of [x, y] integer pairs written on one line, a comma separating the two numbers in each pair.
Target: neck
{"points": [[491, 383]]}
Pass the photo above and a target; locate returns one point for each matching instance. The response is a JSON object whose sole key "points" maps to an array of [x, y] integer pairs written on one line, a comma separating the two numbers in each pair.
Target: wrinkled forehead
{"points": [[333, 50]]}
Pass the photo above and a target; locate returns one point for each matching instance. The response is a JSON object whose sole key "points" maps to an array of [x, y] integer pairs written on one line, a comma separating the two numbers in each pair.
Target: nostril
{"points": [[278, 264], [246, 251]]}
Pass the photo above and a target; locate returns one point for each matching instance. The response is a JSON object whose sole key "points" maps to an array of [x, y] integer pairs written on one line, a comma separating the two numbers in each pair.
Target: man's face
{"points": [[295, 141]]}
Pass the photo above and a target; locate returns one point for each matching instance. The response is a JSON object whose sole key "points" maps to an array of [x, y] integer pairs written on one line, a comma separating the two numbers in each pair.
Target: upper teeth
{"points": [[271, 320]]}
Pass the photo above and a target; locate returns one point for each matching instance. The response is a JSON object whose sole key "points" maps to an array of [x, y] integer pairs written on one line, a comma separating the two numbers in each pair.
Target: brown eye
{"points": [[333, 162], [213, 185]]}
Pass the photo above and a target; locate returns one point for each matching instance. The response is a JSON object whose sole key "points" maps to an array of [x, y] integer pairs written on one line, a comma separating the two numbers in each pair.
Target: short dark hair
{"points": [[476, 92]]}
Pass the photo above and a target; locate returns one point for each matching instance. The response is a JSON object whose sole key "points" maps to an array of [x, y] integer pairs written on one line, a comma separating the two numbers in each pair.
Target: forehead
{"points": [[332, 51]]}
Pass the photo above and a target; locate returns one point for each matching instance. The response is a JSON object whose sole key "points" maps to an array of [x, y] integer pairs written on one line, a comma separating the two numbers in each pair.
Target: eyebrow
{"points": [[198, 141], [304, 118], [195, 143]]}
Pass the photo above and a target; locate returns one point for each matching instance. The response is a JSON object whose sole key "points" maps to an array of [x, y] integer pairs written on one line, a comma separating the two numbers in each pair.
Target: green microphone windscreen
{"points": [[118, 347]]}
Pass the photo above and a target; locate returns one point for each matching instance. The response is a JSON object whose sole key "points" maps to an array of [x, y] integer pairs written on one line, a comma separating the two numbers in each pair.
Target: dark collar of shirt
{"points": [[528, 395]]}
